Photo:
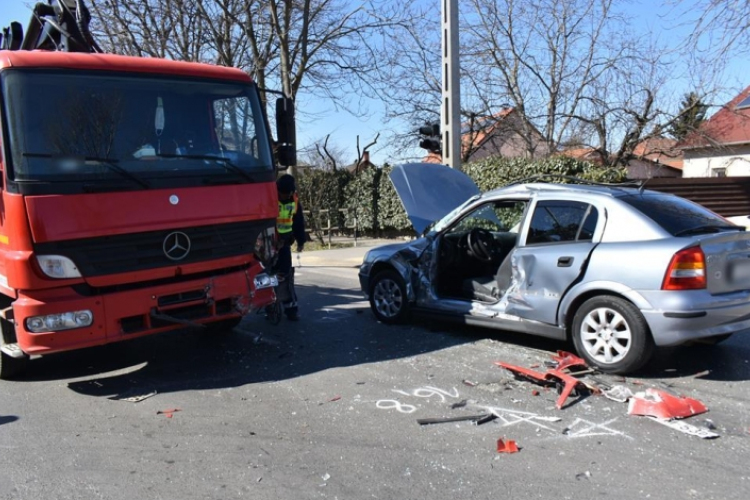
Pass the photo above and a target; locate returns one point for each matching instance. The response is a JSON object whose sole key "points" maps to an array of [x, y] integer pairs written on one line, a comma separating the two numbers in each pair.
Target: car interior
{"points": [[474, 253]]}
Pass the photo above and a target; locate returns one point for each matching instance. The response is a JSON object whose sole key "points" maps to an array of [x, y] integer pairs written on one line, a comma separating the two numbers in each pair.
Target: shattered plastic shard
{"points": [[508, 446], [687, 428], [619, 393], [661, 404], [566, 360]]}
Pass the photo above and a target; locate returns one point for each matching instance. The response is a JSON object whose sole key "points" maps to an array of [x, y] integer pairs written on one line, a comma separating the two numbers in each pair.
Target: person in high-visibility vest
{"points": [[290, 226]]}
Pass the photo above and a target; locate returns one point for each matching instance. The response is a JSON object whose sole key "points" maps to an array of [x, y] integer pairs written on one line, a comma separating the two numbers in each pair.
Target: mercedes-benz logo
{"points": [[176, 245]]}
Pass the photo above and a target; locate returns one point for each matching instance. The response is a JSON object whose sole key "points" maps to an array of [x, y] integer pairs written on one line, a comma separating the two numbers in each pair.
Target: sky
{"points": [[323, 118]]}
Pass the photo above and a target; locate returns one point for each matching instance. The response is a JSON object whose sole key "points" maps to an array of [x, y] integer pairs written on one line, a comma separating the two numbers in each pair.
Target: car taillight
{"points": [[687, 271]]}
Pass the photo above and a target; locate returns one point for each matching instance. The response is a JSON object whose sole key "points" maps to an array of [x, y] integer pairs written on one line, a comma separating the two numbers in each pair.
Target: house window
{"points": [[719, 172]]}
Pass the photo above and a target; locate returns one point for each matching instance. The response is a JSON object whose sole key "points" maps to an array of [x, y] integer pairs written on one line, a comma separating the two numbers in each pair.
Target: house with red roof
{"points": [[504, 134], [721, 145], [652, 158]]}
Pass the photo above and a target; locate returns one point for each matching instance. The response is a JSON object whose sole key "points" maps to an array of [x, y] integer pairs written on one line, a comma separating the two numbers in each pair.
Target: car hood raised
{"points": [[429, 191]]}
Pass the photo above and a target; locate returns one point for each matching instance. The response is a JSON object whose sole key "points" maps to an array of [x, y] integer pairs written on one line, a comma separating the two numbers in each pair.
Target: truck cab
{"points": [[137, 196]]}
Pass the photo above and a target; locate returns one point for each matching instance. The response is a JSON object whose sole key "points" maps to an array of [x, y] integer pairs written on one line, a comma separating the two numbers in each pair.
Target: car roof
{"points": [[613, 191]]}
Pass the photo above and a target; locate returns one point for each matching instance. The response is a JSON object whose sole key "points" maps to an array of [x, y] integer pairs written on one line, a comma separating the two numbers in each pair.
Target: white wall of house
{"points": [[732, 162]]}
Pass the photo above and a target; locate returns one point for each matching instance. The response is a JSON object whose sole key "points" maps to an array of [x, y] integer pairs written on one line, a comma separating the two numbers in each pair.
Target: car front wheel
{"points": [[611, 334], [388, 297]]}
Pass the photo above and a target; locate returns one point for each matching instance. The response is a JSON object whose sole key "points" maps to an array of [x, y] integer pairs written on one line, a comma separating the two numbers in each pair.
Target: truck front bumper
{"points": [[122, 315]]}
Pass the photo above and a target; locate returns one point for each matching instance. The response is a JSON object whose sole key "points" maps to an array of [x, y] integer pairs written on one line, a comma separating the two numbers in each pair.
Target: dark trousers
{"points": [[285, 272]]}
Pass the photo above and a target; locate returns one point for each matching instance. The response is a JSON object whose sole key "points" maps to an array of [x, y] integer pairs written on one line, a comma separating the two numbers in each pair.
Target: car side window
{"points": [[556, 221]]}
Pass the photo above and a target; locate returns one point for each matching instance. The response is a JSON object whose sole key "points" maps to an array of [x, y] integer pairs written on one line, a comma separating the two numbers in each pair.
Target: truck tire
{"points": [[10, 367]]}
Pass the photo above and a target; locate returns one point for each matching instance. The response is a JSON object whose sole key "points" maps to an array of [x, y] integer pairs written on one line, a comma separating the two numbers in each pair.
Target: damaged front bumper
{"points": [[127, 314]]}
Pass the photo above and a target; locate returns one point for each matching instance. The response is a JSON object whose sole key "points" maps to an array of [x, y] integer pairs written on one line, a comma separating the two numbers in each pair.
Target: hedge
{"points": [[369, 197]]}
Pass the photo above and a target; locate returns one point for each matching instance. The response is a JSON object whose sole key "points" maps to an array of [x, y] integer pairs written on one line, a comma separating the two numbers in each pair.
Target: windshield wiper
{"points": [[224, 162], [706, 229], [109, 162]]}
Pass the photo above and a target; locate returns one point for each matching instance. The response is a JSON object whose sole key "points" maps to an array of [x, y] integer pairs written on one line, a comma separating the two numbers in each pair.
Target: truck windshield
{"points": [[92, 126]]}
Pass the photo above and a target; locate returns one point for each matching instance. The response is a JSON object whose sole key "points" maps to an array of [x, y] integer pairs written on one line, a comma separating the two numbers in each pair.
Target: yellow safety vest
{"points": [[286, 214]]}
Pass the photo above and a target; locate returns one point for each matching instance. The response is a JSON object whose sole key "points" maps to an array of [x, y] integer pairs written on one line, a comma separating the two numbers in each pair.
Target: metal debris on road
{"points": [[136, 398], [444, 420]]}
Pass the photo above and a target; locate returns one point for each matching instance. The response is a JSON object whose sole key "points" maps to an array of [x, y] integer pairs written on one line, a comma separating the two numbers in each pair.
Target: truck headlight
{"points": [[57, 322], [263, 280], [57, 266]]}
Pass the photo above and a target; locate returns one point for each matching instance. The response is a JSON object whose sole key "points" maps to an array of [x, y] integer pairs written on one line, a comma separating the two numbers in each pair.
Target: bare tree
{"points": [[721, 25]]}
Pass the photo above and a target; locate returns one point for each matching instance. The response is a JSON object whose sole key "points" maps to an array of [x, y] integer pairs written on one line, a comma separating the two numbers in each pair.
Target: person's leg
{"points": [[283, 269], [290, 306]]}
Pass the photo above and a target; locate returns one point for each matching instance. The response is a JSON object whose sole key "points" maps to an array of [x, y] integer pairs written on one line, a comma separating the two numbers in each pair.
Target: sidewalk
{"points": [[339, 257]]}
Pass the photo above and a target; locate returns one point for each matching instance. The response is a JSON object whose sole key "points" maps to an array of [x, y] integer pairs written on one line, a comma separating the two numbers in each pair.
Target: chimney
{"points": [[365, 157]]}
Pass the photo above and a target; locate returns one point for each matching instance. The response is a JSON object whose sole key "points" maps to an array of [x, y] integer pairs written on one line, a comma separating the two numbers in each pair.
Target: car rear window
{"points": [[676, 215]]}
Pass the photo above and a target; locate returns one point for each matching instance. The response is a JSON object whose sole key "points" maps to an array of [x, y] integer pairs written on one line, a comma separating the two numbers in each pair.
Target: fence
{"points": [[314, 222], [727, 196]]}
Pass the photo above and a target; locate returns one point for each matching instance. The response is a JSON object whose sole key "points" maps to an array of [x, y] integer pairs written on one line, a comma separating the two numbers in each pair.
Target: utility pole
{"points": [[450, 110]]}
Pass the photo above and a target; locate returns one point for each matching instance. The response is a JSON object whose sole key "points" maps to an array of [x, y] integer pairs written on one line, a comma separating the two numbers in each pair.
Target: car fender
{"points": [[601, 288], [401, 260]]}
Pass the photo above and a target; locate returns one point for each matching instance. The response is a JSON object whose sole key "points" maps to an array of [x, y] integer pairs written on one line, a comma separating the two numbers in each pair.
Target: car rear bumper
{"points": [[134, 313], [696, 315]]}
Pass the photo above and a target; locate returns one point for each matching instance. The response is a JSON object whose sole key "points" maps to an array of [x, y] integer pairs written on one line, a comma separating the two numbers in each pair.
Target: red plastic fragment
{"points": [[534, 392], [661, 404], [508, 446], [566, 360], [168, 413], [569, 381], [524, 372]]}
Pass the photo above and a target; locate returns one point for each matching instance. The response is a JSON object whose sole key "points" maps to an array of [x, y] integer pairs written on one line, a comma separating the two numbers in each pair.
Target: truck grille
{"points": [[139, 251]]}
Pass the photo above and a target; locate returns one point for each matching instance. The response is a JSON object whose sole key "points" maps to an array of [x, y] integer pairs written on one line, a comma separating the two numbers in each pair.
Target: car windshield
{"points": [[441, 224], [678, 216], [94, 126]]}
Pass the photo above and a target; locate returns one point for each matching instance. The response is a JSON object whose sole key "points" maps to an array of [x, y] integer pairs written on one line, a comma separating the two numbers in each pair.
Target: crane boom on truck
{"points": [[137, 195]]}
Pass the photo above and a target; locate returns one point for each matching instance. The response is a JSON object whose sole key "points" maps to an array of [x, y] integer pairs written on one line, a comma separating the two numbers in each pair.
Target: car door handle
{"points": [[565, 261]]}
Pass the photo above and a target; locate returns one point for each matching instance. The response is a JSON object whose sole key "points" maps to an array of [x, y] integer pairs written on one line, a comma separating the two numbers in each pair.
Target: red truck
{"points": [[137, 195]]}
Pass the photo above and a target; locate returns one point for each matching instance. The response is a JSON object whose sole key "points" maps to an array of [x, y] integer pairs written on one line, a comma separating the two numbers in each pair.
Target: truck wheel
{"points": [[388, 297], [10, 367], [612, 335]]}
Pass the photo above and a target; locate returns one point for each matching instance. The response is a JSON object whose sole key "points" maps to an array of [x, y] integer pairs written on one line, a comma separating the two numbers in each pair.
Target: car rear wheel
{"points": [[388, 297], [612, 335]]}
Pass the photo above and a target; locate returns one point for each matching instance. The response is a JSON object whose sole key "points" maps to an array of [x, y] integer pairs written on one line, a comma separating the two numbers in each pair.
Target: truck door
{"points": [[558, 242]]}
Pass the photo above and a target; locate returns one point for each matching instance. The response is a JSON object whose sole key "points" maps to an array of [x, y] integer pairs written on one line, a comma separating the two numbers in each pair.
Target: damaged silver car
{"points": [[619, 270]]}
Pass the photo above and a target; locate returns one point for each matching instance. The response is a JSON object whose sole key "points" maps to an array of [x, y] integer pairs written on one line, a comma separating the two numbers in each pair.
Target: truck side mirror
{"points": [[286, 132]]}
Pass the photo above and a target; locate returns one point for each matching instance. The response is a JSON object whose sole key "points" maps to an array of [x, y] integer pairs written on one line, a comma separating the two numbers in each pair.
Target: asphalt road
{"points": [[328, 408]]}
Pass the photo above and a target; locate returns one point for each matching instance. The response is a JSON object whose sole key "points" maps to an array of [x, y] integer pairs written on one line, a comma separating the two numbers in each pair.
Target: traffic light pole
{"points": [[450, 112]]}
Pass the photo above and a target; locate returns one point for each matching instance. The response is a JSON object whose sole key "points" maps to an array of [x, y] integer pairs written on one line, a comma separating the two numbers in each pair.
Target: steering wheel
{"points": [[481, 243]]}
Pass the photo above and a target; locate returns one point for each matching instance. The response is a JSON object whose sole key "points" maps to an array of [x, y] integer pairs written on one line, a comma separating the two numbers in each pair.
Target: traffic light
{"points": [[431, 138]]}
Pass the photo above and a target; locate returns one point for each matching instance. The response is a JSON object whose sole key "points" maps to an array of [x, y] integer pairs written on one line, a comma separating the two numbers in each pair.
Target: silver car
{"points": [[619, 270]]}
